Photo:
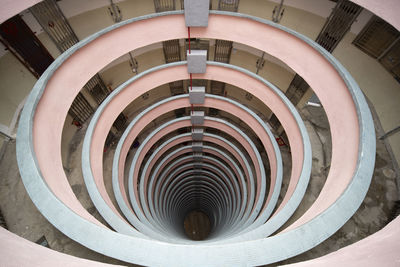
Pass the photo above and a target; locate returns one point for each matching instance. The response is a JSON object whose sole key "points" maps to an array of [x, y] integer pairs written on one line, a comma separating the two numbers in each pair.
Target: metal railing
{"points": [[80, 110], [164, 5], [55, 24], [338, 24], [172, 51], [97, 89]]}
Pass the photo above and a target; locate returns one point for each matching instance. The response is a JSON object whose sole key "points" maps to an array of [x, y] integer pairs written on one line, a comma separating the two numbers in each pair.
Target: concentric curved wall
{"points": [[174, 171]]}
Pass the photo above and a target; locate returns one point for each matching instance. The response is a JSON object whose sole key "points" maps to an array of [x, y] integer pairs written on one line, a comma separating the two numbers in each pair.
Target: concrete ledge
{"points": [[197, 117], [196, 13], [197, 61], [198, 156], [197, 146], [197, 134], [196, 95]]}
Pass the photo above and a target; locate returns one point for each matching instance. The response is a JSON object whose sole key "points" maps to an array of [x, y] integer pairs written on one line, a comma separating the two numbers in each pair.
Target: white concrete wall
{"points": [[16, 83]]}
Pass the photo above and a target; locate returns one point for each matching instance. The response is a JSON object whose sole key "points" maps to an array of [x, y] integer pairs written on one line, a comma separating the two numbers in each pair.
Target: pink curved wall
{"points": [[10, 8], [386, 9], [170, 145], [215, 103], [175, 73], [65, 84], [188, 124], [379, 249], [236, 78], [17, 252]]}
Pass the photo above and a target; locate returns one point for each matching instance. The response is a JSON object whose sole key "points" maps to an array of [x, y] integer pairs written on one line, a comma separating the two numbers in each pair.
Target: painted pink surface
{"points": [[206, 124], [218, 73], [161, 77], [379, 249], [161, 154], [47, 131], [259, 130], [95, 157], [205, 167], [186, 139], [170, 145], [216, 104], [173, 182], [184, 151], [162, 197], [239, 138], [16, 252], [303, 60], [160, 193], [77, 70], [178, 125], [10, 8], [386, 9], [179, 103], [187, 123], [265, 94]]}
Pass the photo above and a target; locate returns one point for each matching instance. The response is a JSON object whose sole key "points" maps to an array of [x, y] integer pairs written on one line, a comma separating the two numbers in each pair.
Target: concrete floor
{"points": [[25, 220]]}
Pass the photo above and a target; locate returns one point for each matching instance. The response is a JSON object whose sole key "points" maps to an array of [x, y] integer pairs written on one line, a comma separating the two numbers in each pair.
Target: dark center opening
{"points": [[197, 225]]}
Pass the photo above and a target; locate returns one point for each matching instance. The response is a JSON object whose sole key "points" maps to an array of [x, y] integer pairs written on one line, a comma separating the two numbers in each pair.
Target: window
{"points": [[380, 40]]}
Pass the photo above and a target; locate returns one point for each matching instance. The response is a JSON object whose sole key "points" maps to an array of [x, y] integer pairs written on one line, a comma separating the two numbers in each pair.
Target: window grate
{"points": [[110, 140], [172, 51], [391, 59], [80, 109], [164, 5], [56, 25], [43, 242], [223, 51], [335, 27], [217, 88], [338, 24], [176, 88], [213, 112], [297, 89], [97, 89], [228, 5], [53, 21], [120, 122], [381, 40], [23, 43], [376, 37], [274, 122]]}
